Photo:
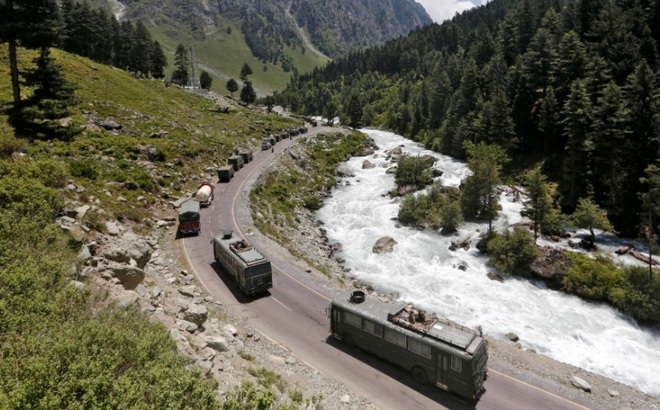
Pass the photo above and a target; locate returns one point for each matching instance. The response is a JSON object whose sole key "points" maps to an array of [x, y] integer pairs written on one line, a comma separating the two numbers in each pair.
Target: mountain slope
{"points": [[267, 35]]}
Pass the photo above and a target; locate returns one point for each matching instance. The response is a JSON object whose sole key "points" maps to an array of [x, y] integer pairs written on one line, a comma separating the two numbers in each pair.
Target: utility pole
{"points": [[192, 67]]}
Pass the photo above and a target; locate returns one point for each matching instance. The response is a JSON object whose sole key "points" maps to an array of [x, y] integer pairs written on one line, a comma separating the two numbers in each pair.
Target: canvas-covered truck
{"points": [[189, 218], [225, 173], [204, 194], [236, 161]]}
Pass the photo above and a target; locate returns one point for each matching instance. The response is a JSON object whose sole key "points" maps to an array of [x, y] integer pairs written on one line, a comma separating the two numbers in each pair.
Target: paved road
{"points": [[293, 314]]}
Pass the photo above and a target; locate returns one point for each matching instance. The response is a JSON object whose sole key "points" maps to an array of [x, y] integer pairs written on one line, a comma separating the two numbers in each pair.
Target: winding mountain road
{"points": [[293, 314]]}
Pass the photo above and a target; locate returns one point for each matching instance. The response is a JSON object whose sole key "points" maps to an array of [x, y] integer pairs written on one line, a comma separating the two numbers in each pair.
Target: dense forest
{"points": [[569, 85]]}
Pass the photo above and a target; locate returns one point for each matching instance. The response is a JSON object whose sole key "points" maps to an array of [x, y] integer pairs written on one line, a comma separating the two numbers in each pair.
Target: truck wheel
{"points": [[419, 375]]}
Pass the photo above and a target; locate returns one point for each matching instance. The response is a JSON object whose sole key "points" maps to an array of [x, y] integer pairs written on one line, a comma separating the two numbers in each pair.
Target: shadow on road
{"points": [[448, 400]]}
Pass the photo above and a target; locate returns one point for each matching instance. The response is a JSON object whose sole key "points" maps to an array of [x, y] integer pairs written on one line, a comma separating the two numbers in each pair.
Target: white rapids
{"points": [[423, 270]]}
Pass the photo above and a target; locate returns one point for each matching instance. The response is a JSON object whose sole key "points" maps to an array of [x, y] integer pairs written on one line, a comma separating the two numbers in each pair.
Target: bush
{"points": [[451, 217], [83, 169], [513, 252], [414, 171], [591, 278], [438, 207], [637, 295]]}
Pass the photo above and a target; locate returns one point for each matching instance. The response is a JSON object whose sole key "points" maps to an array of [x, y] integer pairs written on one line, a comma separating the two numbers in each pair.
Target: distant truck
{"points": [[225, 173], [236, 161], [265, 144], [204, 194], [189, 218], [247, 156]]}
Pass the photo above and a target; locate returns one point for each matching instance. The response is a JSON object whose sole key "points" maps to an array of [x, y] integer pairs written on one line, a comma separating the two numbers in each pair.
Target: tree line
{"points": [[570, 86]]}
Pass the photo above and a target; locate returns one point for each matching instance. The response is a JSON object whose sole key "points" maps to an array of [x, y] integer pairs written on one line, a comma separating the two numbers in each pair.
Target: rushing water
{"points": [[423, 270]]}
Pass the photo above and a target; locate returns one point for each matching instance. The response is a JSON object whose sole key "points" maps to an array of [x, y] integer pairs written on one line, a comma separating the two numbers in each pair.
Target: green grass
{"points": [[225, 54]]}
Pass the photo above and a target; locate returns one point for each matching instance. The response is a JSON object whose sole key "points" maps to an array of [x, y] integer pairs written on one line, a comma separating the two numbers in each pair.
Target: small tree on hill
{"points": [[232, 86], [246, 70], [205, 80], [158, 61], [589, 215], [248, 95], [38, 115]]}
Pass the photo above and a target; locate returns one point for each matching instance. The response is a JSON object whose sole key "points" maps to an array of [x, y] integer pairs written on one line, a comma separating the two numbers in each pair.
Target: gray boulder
{"points": [[384, 245], [127, 299], [117, 254], [217, 343], [129, 276], [138, 249], [196, 314], [581, 384], [366, 164]]}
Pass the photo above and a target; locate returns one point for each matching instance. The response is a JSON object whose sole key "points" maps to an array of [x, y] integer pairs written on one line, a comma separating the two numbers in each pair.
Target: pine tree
{"points": [[608, 146], [479, 196], [569, 64], [158, 61], [33, 24], [246, 71], [642, 98], [180, 74], [589, 215], [539, 202], [355, 112], [232, 86], [577, 112], [248, 95], [53, 95], [141, 49], [205, 80]]}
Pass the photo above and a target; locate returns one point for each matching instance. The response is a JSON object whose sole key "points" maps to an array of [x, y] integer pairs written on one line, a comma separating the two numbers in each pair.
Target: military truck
{"points": [[189, 218]]}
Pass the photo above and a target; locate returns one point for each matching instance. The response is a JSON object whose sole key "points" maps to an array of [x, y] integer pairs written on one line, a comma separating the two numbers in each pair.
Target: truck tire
{"points": [[419, 375]]}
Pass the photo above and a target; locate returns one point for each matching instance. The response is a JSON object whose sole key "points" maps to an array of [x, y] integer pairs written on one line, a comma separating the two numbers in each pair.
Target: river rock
{"points": [[384, 245], [581, 384]]}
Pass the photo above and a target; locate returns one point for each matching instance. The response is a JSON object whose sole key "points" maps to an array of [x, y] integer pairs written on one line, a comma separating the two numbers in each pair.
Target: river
{"points": [[423, 270]]}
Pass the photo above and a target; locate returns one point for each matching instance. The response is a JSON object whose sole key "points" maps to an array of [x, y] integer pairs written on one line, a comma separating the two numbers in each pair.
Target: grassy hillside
{"points": [[197, 136], [70, 347], [224, 51]]}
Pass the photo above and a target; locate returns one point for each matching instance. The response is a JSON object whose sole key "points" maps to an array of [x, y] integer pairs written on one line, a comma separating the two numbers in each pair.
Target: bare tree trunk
{"points": [[13, 67]]}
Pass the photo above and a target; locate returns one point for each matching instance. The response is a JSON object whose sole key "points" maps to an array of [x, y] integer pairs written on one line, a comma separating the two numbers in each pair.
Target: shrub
{"points": [[513, 252], [637, 296], [451, 217], [591, 278], [414, 171]]}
